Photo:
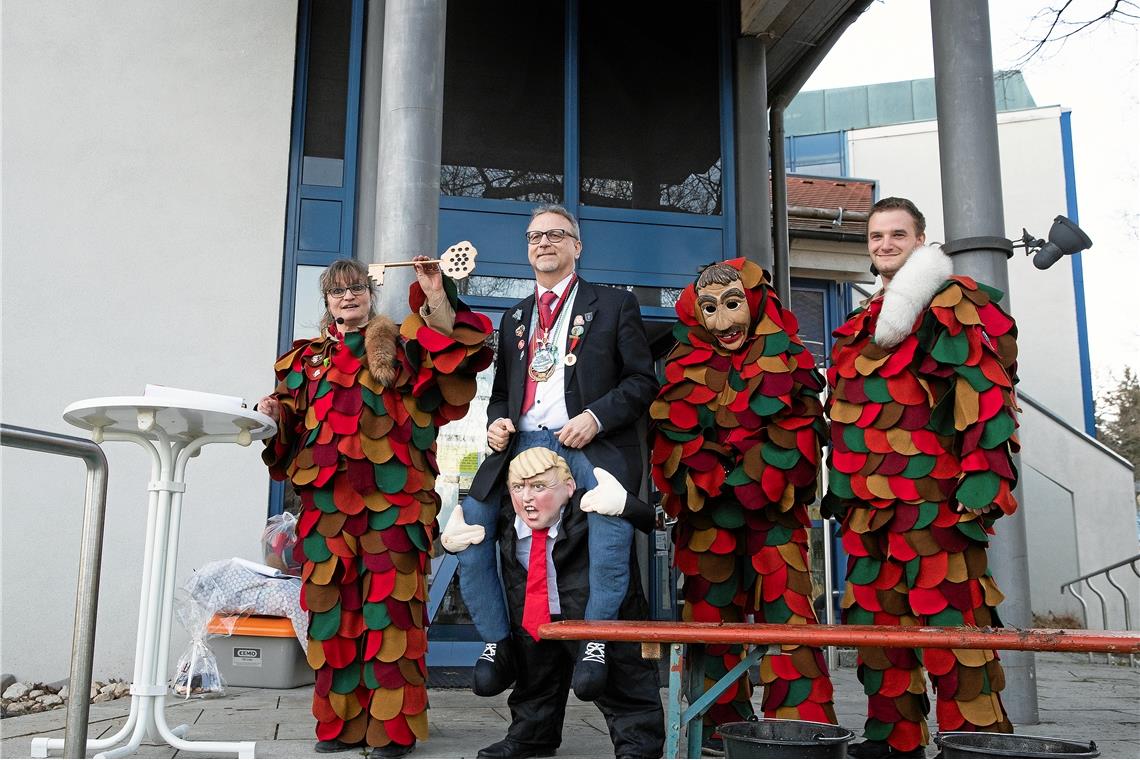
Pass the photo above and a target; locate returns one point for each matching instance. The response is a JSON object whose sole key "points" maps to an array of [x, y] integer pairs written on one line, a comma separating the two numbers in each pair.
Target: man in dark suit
{"points": [[542, 547], [573, 375]]}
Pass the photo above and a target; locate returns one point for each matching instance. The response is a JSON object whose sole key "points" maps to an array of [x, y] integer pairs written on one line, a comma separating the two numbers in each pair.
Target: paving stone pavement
{"points": [[1076, 700]]}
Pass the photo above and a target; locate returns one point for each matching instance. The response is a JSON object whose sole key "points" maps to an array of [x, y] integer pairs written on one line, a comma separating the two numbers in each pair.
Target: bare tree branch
{"points": [[1060, 28]]}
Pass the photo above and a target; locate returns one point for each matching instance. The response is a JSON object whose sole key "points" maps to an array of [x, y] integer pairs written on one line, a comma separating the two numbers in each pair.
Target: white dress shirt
{"points": [[549, 410], [522, 554]]}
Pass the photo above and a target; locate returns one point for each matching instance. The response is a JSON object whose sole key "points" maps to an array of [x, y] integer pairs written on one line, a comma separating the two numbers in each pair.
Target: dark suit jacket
{"points": [[572, 562], [613, 377]]}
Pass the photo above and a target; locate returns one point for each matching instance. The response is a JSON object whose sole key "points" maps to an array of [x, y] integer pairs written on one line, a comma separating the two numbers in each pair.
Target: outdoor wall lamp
{"points": [[1065, 238]]}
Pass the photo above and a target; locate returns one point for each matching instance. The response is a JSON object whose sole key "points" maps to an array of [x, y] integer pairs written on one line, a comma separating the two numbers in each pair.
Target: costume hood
{"points": [[763, 306]]}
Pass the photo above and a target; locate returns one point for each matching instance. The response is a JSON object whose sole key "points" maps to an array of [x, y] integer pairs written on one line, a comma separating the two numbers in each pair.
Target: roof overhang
{"points": [[797, 34]]}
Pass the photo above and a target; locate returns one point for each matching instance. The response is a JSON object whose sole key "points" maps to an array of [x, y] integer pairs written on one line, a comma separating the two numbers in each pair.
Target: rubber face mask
{"points": [[724, 312], [539, 500]]}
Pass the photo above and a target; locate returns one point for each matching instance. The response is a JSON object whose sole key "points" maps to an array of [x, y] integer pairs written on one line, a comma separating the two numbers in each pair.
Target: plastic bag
{"points": [[277, 542], [196, 674], [239, 587]]}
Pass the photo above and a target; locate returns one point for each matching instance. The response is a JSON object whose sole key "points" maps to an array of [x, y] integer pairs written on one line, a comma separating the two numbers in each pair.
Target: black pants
{"points": [[631, 703]]}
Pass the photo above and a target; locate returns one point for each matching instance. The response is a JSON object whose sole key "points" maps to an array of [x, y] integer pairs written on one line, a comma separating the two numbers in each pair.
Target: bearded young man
{"points": [[922, 436], [738, 427]]}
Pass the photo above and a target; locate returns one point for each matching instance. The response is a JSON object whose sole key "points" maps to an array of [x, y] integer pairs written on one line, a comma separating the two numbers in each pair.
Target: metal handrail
{"points": [[90, 558], [1087, 579]]}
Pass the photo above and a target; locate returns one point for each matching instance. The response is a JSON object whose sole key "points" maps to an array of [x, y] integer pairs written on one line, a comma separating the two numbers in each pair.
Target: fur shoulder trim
{"points": [[910, 291], [380, 337]]}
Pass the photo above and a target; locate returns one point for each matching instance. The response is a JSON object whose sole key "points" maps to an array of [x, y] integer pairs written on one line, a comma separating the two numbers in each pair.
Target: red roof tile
{"points": [[832, 194]]}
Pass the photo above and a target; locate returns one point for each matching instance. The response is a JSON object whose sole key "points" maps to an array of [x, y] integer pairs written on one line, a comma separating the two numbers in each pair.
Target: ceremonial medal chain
{"points": [[544, 359]]}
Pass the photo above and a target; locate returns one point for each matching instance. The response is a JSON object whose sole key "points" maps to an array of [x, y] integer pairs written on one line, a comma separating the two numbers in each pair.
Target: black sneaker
{"points": [[494, 671], [880, 749], [589, 679]]}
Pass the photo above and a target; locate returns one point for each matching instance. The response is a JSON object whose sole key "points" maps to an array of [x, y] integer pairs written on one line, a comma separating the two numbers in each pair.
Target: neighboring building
{"points": [[176, 176]]}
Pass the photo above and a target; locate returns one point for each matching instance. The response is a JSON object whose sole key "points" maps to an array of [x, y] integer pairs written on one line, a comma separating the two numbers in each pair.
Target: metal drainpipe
{"points": [[781, 260], [753, 199], [411, 130], [972, 206], [795, 79]]}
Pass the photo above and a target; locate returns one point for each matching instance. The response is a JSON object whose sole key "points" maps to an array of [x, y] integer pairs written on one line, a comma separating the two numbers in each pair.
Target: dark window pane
{"points": [[650, 118], [808, 305], [326, 96], [503, 100]]}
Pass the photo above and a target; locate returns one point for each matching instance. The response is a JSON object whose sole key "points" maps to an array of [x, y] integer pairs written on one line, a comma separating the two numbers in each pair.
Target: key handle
{"points": [[457, 262]]}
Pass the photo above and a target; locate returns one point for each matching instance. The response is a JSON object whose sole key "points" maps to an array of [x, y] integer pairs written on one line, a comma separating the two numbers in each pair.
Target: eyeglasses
{"points": [[534, 237], [358, 289]]}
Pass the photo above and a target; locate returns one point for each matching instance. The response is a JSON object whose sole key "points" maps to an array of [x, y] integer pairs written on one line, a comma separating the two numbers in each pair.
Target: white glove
{"points": [[458, 535], [608, 498]]}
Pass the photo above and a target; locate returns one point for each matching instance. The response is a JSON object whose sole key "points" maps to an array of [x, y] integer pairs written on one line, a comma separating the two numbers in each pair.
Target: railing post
{"points": [[90, 559], [1084, 607], [1127, 611]]}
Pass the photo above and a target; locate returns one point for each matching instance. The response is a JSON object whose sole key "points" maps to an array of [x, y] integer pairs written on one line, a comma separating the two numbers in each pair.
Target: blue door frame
{"points": [[319, 219]]}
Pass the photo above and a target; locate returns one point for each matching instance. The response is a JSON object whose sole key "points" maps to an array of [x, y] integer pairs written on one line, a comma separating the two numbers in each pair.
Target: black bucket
{"points": [[984, 744], [784, 738]]}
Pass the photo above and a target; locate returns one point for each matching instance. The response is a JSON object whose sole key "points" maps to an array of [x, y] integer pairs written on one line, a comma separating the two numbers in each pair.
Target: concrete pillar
{"points": [[972, 207], [411, 123], [367, 163]]}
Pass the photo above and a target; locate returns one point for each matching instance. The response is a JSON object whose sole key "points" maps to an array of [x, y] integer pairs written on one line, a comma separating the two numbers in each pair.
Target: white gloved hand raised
{"points": [[607, 498], [458, 535]]}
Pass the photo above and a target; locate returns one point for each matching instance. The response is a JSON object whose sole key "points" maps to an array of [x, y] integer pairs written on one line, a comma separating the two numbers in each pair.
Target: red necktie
{"points": [[536, 609], [545, 317]]}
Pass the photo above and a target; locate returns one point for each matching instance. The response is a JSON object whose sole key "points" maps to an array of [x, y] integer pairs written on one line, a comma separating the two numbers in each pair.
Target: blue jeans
{"points": [[610, 539]]}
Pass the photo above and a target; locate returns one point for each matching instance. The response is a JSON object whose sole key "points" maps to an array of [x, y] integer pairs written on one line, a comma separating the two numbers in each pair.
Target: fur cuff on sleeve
{"points": [[380, 338], [910, 292]]}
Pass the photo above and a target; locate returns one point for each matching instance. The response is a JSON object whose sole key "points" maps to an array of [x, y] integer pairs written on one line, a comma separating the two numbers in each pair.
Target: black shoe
{"points": [[511, 748], [589, 679], [494, 671], [333, 745], [880, 749], [713, 746], [392, 750]]}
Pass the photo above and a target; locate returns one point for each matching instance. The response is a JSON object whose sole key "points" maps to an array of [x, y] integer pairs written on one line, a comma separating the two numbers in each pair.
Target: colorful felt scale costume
{"points": [[922, 421], [359, 418], [737, 447]]}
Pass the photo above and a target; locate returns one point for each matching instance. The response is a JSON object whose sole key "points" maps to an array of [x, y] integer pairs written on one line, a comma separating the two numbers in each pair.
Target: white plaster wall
{"points": [[1079, 507], [904, 159], [145, 166]]}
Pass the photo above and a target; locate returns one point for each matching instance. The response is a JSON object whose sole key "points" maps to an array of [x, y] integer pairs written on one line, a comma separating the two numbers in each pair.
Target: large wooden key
{"points": [[457, 262]]}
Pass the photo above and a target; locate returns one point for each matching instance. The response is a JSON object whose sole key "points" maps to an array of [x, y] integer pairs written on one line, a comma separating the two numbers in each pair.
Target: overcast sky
{"points": [[1097, 76]]}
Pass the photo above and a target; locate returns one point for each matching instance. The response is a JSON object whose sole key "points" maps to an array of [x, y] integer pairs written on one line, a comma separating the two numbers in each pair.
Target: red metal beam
{"points": [[1032, 639]]}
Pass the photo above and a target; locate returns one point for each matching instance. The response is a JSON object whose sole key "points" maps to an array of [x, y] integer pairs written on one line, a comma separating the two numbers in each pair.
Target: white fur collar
{"points": [[910, 291]]}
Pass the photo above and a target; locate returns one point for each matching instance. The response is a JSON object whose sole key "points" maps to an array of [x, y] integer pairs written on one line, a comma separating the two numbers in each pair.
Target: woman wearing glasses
{"points": [[358, 409]]}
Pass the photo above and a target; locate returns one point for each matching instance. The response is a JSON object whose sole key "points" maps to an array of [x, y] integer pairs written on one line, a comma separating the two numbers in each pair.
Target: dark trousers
{"points": [[631, 703]]}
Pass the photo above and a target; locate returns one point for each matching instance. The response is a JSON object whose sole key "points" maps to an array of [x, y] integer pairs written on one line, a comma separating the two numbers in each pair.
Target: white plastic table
{"points": [[171, 429]]}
